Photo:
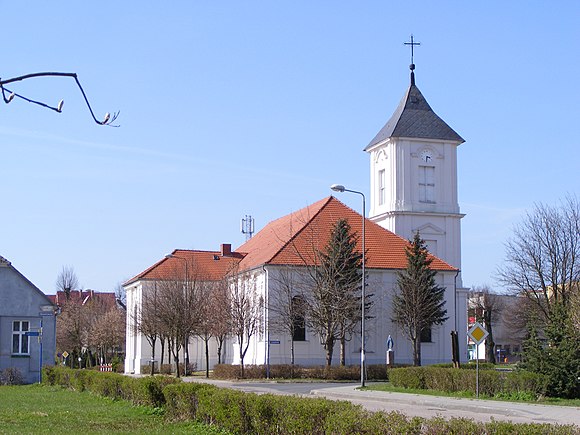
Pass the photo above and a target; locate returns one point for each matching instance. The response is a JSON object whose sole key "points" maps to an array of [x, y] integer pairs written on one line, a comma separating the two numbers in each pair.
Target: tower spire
{"points": [[412, 65]]}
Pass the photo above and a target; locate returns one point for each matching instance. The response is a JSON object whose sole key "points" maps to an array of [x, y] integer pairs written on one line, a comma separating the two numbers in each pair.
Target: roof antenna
{"points": [[247, 226], [412, 66]]}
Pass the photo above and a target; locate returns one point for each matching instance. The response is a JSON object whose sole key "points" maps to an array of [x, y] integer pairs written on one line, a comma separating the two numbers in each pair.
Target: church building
{"points": [[413, 189]]}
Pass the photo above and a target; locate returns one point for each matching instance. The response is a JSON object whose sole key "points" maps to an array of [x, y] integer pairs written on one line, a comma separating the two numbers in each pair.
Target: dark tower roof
{"points": [[414, 118]]}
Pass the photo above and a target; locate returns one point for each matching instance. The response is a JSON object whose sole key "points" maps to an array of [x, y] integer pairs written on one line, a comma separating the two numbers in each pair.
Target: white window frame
{"points": [[20, 341], [381, 186], [427, 184]]}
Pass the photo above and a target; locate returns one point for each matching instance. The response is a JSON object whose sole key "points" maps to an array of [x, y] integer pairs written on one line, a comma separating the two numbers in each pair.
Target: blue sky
{"points": [[232, 108]]}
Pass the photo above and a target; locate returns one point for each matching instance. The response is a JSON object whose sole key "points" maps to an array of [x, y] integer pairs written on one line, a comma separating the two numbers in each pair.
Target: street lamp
{"points": [[341, 188], [186, 339]]}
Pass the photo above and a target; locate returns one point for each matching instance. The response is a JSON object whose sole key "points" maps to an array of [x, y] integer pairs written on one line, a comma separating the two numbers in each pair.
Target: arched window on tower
{"points": [[298, 319]]}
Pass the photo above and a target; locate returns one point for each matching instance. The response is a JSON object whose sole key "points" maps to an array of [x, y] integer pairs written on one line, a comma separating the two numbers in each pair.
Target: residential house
{"points": [[27, 324]]}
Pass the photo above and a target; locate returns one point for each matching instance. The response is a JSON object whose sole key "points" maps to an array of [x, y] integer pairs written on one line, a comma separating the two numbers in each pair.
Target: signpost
{"points": [[478, 334]]}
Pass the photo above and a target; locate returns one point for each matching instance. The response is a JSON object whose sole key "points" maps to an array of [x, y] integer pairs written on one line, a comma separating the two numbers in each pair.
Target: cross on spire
{"points": [[412, 44]]}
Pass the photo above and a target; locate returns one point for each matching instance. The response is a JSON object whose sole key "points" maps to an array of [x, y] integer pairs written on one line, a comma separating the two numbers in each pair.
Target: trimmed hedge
{"points": [[376, 372], [491, 382], [141, 391], [240, 413]]}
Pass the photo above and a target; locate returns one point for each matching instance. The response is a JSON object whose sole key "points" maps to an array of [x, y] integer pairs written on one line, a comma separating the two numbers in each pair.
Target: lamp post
{"points": [[186, 338], [341, 188]]}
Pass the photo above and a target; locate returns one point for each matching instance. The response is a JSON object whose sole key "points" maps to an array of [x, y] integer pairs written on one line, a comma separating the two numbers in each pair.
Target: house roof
{"points": [[5, 263], [206, 265], [414, 118], [108, 299], [291, 240], [294, 239]]}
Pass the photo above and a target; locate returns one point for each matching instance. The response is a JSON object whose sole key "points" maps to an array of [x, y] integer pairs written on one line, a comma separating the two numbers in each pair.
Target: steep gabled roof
{"points": [[5, 263], [414, 118], [204, 265], [295, 238], [291, 240]]}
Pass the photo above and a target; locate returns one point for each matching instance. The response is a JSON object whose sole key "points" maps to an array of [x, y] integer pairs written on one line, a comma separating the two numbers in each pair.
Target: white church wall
{"points": [[275, 345]]}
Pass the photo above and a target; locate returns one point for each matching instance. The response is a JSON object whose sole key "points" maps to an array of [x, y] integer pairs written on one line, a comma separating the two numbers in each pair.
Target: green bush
{"points": [[237, 412], [286, 371], [141, 391], [11, 376], [491, 382]]}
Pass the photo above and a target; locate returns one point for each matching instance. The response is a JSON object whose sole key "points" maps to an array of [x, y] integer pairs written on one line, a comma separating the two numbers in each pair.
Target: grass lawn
{"points": [[386, 386], [46, 409]]}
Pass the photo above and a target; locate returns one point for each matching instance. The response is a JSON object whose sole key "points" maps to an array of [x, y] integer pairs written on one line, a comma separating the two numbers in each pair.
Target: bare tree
{"points": [[205, 326], [287, 305], [221, 314], [147, 321], [67, 281], [72, 329], [487, 307], [178, 310], [247, 311], [543, 256], [107, 333]]}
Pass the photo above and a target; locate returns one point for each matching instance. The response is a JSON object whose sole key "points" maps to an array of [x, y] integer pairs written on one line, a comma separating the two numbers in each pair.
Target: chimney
{"points": [[226, 249]]}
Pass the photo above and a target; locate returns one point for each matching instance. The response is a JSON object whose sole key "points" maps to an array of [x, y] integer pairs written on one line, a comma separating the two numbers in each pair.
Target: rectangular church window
{"points": [[425, 335], [427, 184]]}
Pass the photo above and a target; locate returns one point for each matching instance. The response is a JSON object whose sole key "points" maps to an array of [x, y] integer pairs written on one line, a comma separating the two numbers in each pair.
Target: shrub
{"points": [[286, 371], [141, 391], [238, 412], [11, 376], [491, 382]]}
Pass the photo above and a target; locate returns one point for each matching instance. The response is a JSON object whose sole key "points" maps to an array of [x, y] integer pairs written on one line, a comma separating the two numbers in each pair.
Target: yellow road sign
{"points": [[477, 333]]}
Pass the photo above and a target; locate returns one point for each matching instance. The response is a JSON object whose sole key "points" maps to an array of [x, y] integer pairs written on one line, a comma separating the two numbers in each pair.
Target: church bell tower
{"points": [[413, 163]]}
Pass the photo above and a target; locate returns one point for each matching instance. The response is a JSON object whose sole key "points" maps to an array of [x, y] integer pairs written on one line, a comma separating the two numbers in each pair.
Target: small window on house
{"points": [[20, 344], [298, 320], [427, 184], [381, 187], [426, 335]]}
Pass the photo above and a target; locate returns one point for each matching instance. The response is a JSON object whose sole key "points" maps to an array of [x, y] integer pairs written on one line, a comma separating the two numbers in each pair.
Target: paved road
{"points": [[413, 404]]}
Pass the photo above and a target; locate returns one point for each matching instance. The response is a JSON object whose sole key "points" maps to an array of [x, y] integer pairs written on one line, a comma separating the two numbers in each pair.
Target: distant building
{"points": [[27, 324], [509, 332], [83, 297]]}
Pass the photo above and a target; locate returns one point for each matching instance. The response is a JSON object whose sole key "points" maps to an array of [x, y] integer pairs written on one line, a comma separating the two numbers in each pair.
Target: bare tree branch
{"points": [[108, 119]]}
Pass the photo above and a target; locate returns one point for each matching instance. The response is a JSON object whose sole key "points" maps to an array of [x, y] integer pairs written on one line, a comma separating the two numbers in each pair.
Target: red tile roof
{"points": [[290, 240], [205, 265], [294, 239], [83, 296]]}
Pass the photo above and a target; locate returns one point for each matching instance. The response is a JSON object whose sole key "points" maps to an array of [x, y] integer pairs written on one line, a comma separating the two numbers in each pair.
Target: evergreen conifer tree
{"points": [[418, 302], [335, 308]]}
